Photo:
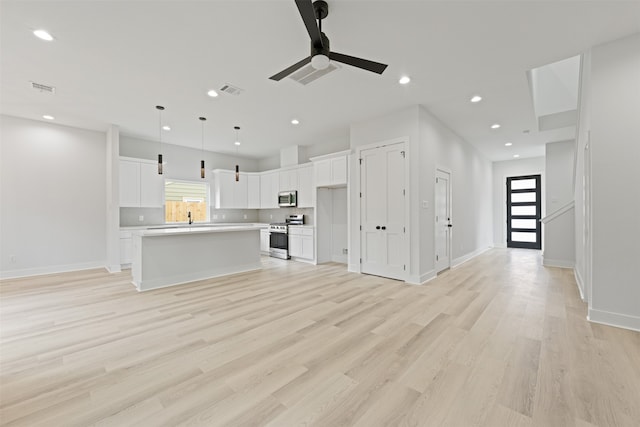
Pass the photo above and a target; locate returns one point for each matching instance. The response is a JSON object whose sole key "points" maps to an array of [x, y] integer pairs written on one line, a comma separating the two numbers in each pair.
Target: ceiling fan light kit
{"points": [[312, 14]]}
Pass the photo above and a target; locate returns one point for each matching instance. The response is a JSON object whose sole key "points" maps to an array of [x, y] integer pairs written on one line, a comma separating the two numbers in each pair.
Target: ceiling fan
{"points": [[320, 52]]}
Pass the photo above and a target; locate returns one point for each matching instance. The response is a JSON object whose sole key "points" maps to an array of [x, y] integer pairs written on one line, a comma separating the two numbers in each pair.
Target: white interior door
{"points": [[382, 210], [443, 220]]}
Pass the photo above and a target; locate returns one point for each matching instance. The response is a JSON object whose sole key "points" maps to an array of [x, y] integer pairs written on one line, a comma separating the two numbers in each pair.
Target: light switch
{"points": [[141, 218], [425, 204]]}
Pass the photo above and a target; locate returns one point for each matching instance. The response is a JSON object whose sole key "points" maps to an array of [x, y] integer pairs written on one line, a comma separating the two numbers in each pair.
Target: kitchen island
{"points": [[171, 256]]}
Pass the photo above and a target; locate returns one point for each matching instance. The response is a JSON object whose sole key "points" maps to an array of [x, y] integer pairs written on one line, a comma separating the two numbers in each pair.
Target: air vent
{"points": [[231, 90], [42, 88], [307, 74]]}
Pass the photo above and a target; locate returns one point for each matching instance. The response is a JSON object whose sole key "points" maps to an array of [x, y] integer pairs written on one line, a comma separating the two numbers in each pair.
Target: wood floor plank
{"points": [[498, 341]]}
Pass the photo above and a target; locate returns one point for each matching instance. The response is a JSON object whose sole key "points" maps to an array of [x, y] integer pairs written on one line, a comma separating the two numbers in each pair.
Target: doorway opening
{"points": [[524, 210]]}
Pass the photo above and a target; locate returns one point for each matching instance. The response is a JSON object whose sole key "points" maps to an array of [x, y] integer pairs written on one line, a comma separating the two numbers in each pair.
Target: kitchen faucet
{"points": [[189, 216]]}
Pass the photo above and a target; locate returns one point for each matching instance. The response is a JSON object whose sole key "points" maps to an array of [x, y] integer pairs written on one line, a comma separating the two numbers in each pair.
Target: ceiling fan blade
{"points": [[365, 64], [308, 14], [284, 73]]}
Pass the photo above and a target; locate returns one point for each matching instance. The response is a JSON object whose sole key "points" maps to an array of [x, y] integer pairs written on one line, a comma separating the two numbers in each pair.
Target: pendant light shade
{"points": [[237, 143], [202, 120], [160, 108]]}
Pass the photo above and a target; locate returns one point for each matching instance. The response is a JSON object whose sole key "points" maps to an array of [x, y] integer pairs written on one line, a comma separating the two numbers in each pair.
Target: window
{"points": [[182, 197]]}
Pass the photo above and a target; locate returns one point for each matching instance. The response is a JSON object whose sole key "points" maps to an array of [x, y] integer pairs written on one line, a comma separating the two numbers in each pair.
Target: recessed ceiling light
{"points": [[476, 98], [508, 144], [516, 155], [42, 34], [166, 127], [404, 80], [212, 93], [237, 143], [295, 122], [495, 126], [48, 117]]}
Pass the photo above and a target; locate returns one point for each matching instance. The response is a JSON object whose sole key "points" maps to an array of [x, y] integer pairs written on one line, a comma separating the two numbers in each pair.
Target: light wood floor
{"points": [[499, 341]]}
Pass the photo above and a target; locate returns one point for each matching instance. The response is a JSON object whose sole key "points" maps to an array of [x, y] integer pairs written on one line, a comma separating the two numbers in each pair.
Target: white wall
{"points": [[559, 233], [502, 170], [582, 192], [431, 144], [53, 198], [615, 156], [471, 189]]}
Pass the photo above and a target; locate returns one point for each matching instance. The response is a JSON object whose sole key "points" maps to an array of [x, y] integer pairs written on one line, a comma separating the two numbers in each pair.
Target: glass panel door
{"points": [[524, 211]]}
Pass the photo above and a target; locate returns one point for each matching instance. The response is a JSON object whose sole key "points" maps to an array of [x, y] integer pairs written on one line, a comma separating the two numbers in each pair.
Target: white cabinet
{"points": [[126, 248], [129, 184], [306, 189], [269, 188], [253, 191], [264, 241], [151, 186], [301, 242], [288, 180], [331, 171], [229, 193], [140, 184]]}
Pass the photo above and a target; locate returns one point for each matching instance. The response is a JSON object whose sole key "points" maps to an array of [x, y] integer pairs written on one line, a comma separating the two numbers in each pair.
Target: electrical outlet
{"points": [[244, 216], [141, 218], [425, 204], [270, 216], [345, 251], [12, 258], [223, 216], [215, 216]]}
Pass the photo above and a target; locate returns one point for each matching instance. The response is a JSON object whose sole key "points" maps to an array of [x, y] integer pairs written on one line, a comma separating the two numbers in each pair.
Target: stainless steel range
{"points": [[279, 236]]}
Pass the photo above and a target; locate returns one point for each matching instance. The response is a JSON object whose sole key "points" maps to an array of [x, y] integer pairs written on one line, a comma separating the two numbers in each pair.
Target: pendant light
{"points": [[237, 143], [160, 108], [202, 120]]}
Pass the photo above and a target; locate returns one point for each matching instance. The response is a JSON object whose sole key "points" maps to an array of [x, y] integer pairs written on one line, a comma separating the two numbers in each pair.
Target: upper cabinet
{"points": [[306, 189], [253, 191], [331, 170], [269, 188], [288, 179], [140, 184], [229, 193]]}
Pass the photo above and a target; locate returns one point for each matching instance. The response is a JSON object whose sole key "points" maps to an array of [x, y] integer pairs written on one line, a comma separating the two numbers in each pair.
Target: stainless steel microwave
{"points": [[287, 199]]}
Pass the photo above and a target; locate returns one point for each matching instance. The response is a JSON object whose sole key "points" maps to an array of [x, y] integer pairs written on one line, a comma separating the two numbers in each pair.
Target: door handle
{"points": [[377, 227], [383, 227], [449, 225]]}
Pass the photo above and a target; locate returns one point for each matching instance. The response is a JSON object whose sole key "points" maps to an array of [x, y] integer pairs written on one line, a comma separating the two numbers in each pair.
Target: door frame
{"points": [[354, 204], [538, 204], [503, 185], [450, 189]]}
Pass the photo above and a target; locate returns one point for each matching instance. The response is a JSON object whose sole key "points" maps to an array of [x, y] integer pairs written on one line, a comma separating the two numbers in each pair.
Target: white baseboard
{"points": [[339, 258], [580, 284], [614, 319], [500, 245], [353, 268], [461, 260], [421, 279], [561, 263], [53, 269], [117, 268]]}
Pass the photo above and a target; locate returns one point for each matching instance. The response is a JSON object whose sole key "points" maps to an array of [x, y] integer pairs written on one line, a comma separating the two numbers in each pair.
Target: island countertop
{"points": [[222, 228]]}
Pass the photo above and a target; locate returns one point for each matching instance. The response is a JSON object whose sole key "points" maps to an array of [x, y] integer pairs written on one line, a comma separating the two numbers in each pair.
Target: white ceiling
{"points": [[113, 61]]}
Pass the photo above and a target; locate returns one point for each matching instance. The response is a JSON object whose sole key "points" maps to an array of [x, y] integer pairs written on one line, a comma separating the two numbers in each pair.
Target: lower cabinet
{"points": [[126, 248], [301, 242], [264, 241]]}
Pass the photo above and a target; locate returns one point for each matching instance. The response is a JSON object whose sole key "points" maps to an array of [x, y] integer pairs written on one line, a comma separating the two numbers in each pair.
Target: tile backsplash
{"points": [[279, 215], [155, 216]]}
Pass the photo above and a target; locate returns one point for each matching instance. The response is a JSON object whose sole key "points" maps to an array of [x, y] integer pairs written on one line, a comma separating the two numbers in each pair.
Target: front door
{"points": [[443, 220], [524, 210], [382, 210]]}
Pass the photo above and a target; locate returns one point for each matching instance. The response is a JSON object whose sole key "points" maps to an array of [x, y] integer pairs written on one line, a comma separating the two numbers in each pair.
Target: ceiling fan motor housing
{"points": [[321, 8]]}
